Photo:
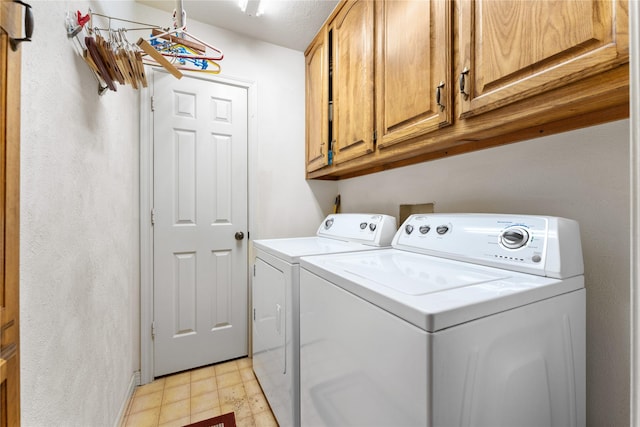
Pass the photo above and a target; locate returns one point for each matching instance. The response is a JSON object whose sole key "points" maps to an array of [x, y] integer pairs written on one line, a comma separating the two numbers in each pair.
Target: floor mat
{"points": [[225, 420]]}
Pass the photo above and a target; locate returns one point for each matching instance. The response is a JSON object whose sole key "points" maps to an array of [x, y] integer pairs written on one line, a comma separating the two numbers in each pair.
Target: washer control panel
{"points": [[371, 229], [526, 243]]}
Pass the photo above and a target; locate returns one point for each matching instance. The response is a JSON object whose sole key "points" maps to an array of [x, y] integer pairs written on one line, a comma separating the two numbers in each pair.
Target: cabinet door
{"points": [[10, 18], [413, 77], [512, 49], [317, 87], [353, 79]]}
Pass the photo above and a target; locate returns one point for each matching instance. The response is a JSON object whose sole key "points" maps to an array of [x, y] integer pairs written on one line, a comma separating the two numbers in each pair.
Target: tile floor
{"points": [[199, 394]]}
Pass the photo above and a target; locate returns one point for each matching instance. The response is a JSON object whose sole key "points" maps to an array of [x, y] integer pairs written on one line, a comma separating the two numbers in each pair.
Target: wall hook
{"points": [[28, 26]]}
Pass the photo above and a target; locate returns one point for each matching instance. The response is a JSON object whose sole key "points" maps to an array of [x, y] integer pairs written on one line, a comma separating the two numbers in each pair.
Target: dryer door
{"points": [[269, 333]]}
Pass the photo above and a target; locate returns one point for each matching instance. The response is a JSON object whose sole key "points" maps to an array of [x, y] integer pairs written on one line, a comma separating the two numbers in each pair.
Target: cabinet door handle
{"points": [[438, 95], [463, 75]]}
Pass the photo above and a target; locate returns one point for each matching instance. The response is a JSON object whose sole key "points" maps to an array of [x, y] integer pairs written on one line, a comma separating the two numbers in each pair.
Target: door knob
{"points": [[239, 235]]}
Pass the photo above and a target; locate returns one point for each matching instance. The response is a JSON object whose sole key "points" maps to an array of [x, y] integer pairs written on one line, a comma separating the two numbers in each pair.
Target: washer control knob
{"points": [[372, 226], [328, 223], [424, 229], [363, 225], [442, 229], [514, 237], [408, 228]]}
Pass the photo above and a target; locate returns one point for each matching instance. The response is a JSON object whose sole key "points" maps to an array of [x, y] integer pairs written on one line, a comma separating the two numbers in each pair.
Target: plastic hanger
{"points": [[178, 36]]}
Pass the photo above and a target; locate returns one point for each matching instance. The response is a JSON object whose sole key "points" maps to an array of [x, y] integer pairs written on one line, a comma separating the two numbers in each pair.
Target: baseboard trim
{"points": [[135, 382]]}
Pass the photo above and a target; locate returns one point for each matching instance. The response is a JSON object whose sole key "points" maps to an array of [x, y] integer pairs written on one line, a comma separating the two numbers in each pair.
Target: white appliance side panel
{"points": [[359, 365], [271, 325], [523, 367]]}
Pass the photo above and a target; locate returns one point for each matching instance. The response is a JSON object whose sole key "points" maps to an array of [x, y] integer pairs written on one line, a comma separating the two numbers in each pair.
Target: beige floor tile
{"points": [[176, 393], [205, 415], [193, 396], [247, 374], [174, 411], [152, 387], [177, 423], [178, 379], [203, 386], [228, 379], [244, 363], [231, 393], [258, 404], [265, 419], [252, 387], [146, 401], [246, 422], [203, 373], [240, 407], [205, 402], [223, 368], [148, 418]]}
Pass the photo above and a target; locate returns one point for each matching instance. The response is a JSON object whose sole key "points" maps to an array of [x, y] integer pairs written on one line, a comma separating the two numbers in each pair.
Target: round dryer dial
{"points": [[514, 237]]}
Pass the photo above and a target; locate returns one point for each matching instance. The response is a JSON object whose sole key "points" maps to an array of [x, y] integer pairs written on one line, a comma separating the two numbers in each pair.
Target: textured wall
{"points": [[79, 233], [583, 175]]}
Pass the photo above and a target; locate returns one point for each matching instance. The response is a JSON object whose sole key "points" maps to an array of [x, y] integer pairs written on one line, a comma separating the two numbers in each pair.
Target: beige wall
{"points": [[583, 175]]}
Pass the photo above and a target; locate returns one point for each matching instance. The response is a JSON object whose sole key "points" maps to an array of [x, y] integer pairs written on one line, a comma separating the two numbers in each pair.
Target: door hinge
{"points": [[153, 108], [153, 216], [153, 330], [254, 314], [375, 135], [254, 270]]}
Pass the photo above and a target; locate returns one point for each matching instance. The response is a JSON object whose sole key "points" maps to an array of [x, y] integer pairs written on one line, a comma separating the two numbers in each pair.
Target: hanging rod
{"points": [[147, 26]]}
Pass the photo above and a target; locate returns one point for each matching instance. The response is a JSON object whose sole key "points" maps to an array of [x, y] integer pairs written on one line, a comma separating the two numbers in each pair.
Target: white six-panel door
{"points": [[200, 206]]}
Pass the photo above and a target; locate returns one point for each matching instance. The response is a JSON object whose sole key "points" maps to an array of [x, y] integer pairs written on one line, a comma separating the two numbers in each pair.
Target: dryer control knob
{"points": [[514, 237], [442, 229], [408, 228]]}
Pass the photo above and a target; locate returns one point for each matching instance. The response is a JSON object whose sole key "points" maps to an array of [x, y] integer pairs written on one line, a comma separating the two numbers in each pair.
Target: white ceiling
{"points": [[288, 23]]}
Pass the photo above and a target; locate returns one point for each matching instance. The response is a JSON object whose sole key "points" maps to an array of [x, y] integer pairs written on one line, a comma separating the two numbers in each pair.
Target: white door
{"points": [[199, 214]]}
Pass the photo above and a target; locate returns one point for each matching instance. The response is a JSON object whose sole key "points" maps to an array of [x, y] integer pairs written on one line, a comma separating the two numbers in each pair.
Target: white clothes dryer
{"points": [[469, 320], [275, 294]]}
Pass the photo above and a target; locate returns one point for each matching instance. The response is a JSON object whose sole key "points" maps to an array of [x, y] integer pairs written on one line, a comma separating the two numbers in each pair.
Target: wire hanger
{"points": [[188, 44], [113, 59]]}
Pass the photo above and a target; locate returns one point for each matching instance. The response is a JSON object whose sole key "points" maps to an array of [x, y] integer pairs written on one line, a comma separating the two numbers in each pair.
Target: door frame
{"points": [[146, 204], [634, 164]]}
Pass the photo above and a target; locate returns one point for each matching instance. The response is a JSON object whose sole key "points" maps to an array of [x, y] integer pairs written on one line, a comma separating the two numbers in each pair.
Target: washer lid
{"points": [[430, 292], [292, 249]]}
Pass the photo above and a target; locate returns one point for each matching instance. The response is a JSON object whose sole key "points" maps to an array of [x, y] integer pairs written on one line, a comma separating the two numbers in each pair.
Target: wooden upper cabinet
{"points": [[353, 80], [413, 69], [317, 103], [512, 49]]}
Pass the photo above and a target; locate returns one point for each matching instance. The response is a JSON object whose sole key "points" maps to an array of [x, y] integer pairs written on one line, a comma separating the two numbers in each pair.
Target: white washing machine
{"points": [[276, 300], [469, 320]]}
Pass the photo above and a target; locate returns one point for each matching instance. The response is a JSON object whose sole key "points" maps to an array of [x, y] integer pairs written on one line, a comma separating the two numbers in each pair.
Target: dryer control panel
{"points": [[369, 229], [541, 245]]}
